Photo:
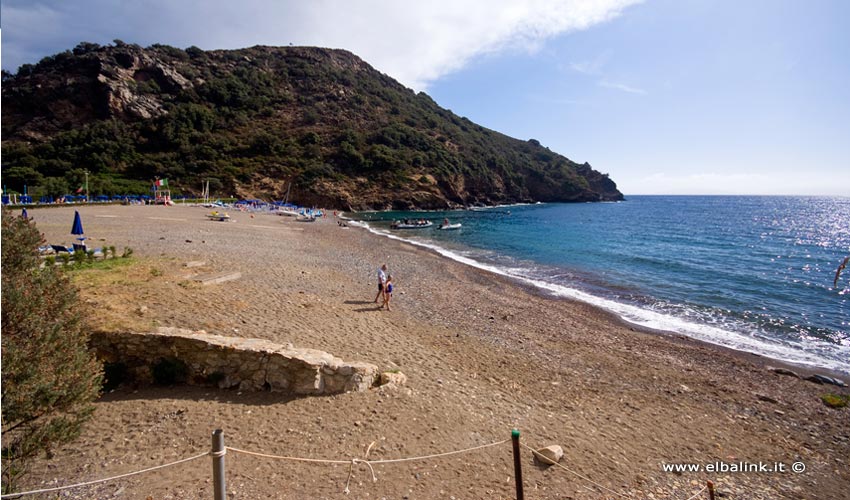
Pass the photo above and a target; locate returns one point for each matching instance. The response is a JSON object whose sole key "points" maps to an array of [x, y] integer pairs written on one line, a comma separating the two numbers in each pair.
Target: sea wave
{"points": [[814, 353]]}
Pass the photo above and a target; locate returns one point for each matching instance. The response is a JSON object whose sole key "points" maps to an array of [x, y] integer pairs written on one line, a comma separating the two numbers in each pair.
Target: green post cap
{"points": [[515, 433]]}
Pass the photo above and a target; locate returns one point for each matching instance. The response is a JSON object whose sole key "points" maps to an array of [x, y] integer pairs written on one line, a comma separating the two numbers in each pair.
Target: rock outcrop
{"points": [[199, 358]]}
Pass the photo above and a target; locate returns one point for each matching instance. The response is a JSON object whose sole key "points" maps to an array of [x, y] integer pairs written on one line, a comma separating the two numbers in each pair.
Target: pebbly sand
{"points": [[482, 354]]}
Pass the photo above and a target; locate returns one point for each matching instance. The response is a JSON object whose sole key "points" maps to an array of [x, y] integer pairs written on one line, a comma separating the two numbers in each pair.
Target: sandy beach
{"points": [[482, 355]]}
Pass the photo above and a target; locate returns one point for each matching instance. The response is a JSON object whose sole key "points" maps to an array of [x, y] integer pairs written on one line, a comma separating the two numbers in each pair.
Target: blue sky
{"points": [[669, 97]]}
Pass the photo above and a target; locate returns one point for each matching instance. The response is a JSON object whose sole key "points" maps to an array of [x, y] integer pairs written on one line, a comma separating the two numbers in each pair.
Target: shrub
{"points": [[79, 257], [835, 400], [49, 376]]}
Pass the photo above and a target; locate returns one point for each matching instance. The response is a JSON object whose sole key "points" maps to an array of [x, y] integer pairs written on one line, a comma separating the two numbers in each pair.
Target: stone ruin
{"points": [[232, 362]]}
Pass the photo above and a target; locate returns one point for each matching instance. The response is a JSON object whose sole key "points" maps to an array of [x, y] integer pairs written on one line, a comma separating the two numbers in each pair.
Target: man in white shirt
{"points": [[382, 280]]}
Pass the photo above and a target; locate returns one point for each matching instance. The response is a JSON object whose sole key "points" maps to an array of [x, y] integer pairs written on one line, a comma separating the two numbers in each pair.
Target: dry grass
{"points": [[115, 289]]}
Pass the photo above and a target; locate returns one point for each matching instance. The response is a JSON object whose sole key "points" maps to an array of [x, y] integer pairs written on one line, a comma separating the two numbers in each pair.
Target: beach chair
{"points": [[222, 217], [61, 248], [80, 247]]}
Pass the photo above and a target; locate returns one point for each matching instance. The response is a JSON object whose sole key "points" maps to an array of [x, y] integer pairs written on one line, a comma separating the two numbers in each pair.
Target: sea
{"points": [[752, 273]]}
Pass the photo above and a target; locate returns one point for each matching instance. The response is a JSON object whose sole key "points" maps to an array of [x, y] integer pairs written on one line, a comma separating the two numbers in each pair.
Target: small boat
{"points": [[446, 227], [305, 218], [416, 225]]}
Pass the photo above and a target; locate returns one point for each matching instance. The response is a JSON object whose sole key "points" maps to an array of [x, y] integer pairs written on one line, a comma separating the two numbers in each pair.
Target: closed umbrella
{"points": [[77, 229], [78, 225], [24, 213]]}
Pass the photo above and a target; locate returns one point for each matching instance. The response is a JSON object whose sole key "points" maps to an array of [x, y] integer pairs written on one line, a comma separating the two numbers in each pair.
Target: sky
{"points": [[666, 96]]}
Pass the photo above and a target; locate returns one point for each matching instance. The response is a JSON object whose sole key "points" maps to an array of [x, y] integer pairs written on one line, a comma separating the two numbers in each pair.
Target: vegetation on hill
{"points": [[262, 121], [49, 376]]}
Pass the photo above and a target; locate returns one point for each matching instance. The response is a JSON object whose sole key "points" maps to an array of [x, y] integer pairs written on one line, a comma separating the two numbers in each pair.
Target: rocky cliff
{"points": [[320, 124]]}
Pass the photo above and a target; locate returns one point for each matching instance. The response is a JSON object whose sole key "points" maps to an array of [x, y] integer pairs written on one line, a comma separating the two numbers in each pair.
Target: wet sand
{"points": [[482, 353]]}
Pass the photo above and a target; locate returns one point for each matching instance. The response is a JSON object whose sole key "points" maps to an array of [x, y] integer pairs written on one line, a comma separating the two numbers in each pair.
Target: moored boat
{"points": [[411, 225]]}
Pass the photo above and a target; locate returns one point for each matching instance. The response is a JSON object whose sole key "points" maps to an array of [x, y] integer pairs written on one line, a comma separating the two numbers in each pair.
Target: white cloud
{"points": [[622, 87], [414, 42], [593, 66]]}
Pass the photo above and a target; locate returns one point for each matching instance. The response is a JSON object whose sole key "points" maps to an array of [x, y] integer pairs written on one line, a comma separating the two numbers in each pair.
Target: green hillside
{"points": [[258, 121]]}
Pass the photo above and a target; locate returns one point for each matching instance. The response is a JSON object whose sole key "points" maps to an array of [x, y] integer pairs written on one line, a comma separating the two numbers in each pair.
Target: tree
{"points": [[49, 376], [54, 186], [22, 176]]}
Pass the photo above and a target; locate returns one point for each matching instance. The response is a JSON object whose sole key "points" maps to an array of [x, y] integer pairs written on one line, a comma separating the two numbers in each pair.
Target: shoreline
{"points": [[546, 289], [482, 354]]}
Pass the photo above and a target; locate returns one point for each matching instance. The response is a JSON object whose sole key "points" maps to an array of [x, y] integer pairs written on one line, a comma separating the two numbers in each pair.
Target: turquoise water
{"points": [[751, 273]]}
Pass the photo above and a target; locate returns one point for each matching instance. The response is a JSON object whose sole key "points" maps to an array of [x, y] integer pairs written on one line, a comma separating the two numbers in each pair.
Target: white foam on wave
{"points": [[791, 352]]}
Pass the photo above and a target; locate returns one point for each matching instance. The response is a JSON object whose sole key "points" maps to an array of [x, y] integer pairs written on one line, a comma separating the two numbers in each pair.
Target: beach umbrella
{"points": [[24, 213], [78, 226]]}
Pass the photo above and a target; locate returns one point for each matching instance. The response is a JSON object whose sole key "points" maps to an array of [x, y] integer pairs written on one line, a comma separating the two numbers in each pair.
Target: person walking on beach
{"points": [[382, 280], [388, 292]]}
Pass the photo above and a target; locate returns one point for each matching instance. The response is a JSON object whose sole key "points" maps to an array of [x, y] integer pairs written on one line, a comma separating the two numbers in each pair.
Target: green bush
{"points": [[835, 400], [49, 376]]}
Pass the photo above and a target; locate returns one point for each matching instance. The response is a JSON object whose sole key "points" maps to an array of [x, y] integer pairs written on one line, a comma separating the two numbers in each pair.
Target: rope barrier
{"points": [[354, 462], [369, 463], [698, 493], [281, 457], [591, 481], [373, 462], [534, 452], [351, 463], [96, 481], [436, 455]]}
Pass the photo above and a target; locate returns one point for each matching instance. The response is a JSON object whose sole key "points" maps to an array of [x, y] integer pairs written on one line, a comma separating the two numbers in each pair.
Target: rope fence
{"points": [[373, 462], [219, 451], [591, 481], [104, 480]]}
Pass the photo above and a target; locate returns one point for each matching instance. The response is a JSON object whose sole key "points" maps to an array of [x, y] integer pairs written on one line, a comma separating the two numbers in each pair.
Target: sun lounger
{"points": [[218, 217], [61, 248]]}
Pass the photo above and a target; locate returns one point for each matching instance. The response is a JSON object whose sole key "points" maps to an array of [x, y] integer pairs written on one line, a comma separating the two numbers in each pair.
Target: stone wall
{"points": [[249, 364]]}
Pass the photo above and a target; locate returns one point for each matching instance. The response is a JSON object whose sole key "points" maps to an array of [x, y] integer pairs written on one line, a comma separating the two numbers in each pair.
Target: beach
{"points": [[483, 354]]}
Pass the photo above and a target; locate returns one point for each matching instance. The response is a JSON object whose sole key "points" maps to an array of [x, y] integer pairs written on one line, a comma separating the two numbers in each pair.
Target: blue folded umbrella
{"points": [[78, 226]]}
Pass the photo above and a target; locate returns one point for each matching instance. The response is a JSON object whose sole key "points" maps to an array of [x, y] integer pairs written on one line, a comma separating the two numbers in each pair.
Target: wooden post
{"points": [[710, 490], [218, 451], [517, 465]]}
